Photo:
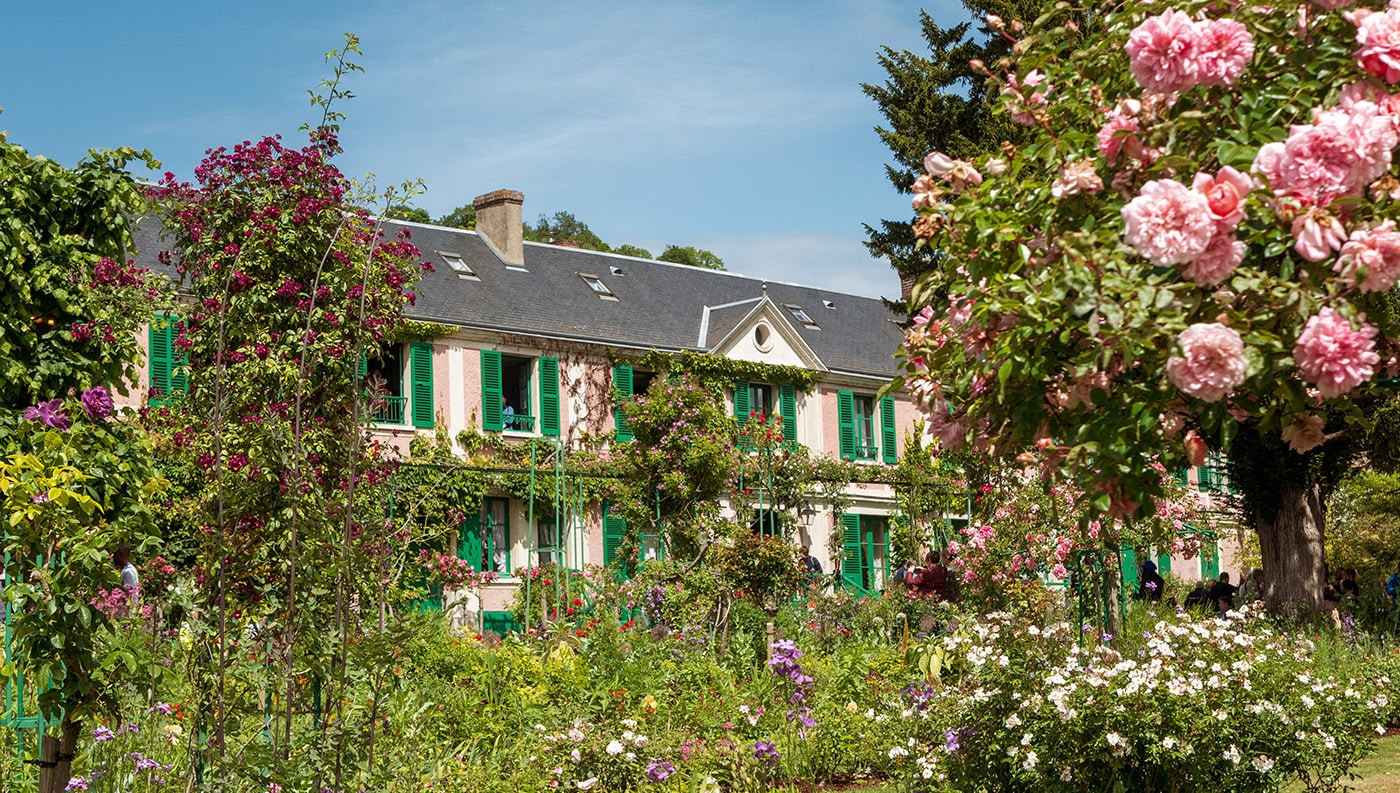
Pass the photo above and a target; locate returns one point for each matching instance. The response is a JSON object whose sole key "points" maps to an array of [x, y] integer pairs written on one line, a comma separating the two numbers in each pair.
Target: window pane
{"points": [[865, 427], [761, 399], [498, 534]]}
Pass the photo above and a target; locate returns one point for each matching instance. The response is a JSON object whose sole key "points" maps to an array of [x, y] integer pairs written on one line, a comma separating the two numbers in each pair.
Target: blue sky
{"points": [[738, 127]]}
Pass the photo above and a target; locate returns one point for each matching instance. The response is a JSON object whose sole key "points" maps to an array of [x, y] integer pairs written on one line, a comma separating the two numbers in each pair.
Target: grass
{"points": [[1379, 773]]}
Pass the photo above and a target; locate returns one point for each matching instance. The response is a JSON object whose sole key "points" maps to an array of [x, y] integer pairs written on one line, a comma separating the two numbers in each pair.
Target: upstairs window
{"points": [[857, 427], [627, 382], [513, 400], [751, 399], [398, 385]]}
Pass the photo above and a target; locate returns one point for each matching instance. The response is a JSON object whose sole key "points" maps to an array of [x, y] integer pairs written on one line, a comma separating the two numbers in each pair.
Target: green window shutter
{"points": [[364, 367], [1210, 559], [549, 396], [614, 526], [469, 541], [491, 390], [889, 439], [1164, 563], [420, 354], [162, 354], [846, 417], [622, 390], [741, 402], [851, 561], [787, 405], [1130, 570]]}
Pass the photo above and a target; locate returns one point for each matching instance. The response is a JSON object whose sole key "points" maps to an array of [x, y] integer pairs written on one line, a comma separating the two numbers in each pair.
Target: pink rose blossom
{"points": [[1164, 52], [1377, 251], [1025, 102], [1304, 433], [1339, 154], [1167, 223], [1076, 178], [1373, 92], [958, 173], [1225, 193], [1318, 235], [1211, 364], [1218, 262], [1120, 134], [925, 192], [1226, 49], [1332, 355], [1378, 33]]}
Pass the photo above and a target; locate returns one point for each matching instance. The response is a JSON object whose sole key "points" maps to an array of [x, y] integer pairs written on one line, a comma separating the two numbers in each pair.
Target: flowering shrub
{"points": [[452, 573], [1194, 705], [1193, 237]]}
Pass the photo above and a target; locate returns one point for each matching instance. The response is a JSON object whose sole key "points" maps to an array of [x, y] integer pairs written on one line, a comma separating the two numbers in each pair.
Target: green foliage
{"points": [[1364, 525], [463, 217], [717, 371], [632, 250], [409, 213], [564, 226], [936, 101], [691, 257]]}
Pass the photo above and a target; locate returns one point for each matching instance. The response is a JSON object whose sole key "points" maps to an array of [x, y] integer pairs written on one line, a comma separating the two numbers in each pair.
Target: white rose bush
{"points": [[1198, 235], [1186, 705]]}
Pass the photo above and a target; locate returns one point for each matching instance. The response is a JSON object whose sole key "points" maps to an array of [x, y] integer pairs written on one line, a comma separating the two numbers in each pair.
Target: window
{"points": [[547, 533], [768, 522], [1210, 558], [596, 284], [483, 539], [801, 316], [1214, 476], [755, 398], [169, 379], [614, 529], [865, 448], [509, 398], [856, 419], [627, 382], [864, 552], [458, 265], [391, 399]]}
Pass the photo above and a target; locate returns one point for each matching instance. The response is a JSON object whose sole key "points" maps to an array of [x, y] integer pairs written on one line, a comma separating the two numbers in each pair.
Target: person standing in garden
{"points": [[1151, 583], [1222, 594], [934, 581], [121, 559], [1252, 587]]}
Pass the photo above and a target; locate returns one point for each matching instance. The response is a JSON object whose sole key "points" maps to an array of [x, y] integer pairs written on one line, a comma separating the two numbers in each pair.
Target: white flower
{"points": [[613, 748], [1262, 764], [1114, 739], [996, 167], [1168, 742], [1232, 754], [640, 741], [630, 756], [1027, 738], [898, 751], [575, 756], [1030, 761], [1013, 721], [587, 783], [630, 724], [576, 735]]}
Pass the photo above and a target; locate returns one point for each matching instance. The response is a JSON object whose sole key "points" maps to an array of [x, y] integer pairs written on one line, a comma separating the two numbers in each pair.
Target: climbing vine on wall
{"points": [[718, 371]]}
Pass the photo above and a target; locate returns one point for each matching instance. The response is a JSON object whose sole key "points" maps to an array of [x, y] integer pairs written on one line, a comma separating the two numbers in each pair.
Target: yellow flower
{"points": [[649, 702], [851, 707]]}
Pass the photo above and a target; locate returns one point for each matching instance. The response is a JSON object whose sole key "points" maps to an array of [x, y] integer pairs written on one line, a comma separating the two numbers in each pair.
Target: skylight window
{"points": [[596, 284], [828, 304], [616, 270], [801, 316], [458, 264]]}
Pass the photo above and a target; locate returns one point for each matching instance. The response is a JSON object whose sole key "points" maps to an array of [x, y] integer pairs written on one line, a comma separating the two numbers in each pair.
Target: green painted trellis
{"points": [[16, 714]]}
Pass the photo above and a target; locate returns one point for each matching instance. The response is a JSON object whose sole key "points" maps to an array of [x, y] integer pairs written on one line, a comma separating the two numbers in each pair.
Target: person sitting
{"points": [[1150, 583], [1347, 586], [1252, 587], [507, 414], [934, 581], [1222, 594], [1198, 598]]}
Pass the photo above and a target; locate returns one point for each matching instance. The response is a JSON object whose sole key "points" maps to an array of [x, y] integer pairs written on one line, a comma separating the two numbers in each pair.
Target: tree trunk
{"points": [[1291, 546], [67, 748]]}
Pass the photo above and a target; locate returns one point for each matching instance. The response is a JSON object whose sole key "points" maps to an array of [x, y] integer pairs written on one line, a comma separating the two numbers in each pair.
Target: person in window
{"points": [[507, 414], [812, 564]]}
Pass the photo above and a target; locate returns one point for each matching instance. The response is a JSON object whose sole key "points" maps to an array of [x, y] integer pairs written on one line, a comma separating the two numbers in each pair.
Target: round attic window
{"points": [[763, 337]]}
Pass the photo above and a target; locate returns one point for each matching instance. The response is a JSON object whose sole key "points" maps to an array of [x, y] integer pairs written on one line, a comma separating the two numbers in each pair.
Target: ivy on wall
{"points": [[716, 370]]}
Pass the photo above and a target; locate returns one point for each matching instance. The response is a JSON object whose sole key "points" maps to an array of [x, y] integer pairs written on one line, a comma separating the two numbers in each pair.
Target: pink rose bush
{"points": [[1222, 250]]}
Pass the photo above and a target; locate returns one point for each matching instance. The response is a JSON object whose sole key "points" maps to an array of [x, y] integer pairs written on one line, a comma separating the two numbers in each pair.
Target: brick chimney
{"points": [[498, 221]]}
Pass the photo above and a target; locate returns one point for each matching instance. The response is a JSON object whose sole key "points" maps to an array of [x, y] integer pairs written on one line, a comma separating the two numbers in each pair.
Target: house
{"points": [[542, 340]]}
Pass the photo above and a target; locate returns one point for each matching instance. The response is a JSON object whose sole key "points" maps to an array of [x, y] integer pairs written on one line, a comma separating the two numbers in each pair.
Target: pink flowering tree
{"points": [[1194, 249]]}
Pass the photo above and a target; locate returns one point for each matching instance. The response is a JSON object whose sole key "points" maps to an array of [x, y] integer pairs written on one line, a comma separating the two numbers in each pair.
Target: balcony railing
{"points": [[519, 422], [389, 410], [866, 451]]}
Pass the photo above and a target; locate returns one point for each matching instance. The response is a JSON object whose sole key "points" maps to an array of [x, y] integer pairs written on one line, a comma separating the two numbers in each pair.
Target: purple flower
{"points": [[767, 752], [77, 783], [49, 413], [161, 707], [143, 763], [950, 741], [102, 734], [658, 770], [98, 403]]}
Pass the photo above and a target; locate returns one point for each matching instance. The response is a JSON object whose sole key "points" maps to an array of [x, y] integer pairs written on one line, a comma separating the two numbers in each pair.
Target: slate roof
{"points": [[658, 304]]}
